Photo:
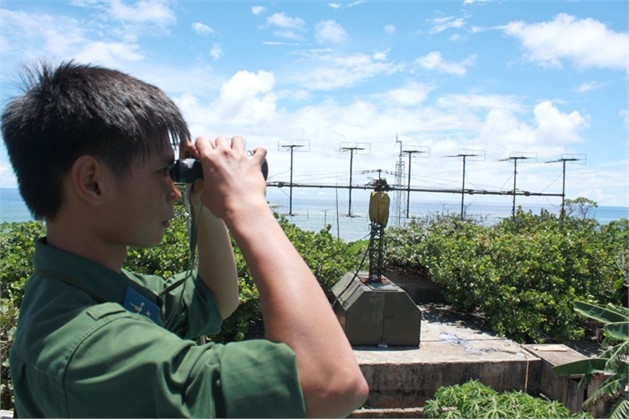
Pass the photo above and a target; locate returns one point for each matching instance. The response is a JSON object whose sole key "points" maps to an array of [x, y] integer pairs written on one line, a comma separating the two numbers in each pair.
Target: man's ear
{"points": [[87, 178]]}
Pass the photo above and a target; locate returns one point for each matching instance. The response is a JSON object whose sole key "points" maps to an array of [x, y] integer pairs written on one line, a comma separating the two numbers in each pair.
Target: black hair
{"points": [[73, 110]]}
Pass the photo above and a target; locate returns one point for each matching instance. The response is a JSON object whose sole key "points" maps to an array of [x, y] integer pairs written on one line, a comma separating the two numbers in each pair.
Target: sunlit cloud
{"points": [[329, 31], [586, 43], [435, 61], [202, 29]]}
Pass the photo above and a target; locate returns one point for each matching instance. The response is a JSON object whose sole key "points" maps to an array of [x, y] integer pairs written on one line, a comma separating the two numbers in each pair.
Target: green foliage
{"points": [[612, 364], [614, 236], [474, 400], [17, 243], [523, 274]]}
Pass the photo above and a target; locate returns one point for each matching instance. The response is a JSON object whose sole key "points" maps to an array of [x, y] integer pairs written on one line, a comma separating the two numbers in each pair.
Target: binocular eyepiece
{"points": [[188, 171]]}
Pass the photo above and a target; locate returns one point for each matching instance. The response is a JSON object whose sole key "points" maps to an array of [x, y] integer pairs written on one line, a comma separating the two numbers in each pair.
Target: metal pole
{"points": [[399, 170], [563, 187], [515, 177], [563, 160], [408, 186], [408, 192], [290, 198], [463, 188], [290, 194], [351, 165], [464, 156], [515, 174]]}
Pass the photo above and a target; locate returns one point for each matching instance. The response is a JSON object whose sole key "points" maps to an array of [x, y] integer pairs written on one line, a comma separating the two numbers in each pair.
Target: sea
{"points": [[348, 215]]}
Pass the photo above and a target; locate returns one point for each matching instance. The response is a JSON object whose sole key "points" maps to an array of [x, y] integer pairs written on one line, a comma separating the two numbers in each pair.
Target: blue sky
{"points": [[541, 79]]}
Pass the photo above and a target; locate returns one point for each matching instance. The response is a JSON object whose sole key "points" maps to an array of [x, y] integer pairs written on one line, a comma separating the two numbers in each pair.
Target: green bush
{"points": [[17, 242], [524, 274], [474, 400]]}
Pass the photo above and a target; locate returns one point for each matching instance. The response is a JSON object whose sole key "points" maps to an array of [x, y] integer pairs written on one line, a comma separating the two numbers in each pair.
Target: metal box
{"points": [[374, 313]]}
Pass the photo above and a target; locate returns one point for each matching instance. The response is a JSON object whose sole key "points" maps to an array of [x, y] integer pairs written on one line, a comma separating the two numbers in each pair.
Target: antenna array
{"points": [[412, 152]]}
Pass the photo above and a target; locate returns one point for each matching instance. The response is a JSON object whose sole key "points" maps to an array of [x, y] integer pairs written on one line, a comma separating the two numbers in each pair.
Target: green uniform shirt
{"points": [[79, 353]]}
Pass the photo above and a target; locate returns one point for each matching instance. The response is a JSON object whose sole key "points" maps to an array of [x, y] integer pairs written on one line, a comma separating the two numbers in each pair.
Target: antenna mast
{"points": [[410, 153], [464, 154], [291, 147], [563, 160], [515, 158], [399, 170], [352, 149]]}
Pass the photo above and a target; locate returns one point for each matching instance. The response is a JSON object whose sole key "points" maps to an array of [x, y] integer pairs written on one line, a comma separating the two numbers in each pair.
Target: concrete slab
{"points": [[445, 338], [452, 350], [563, 388]]}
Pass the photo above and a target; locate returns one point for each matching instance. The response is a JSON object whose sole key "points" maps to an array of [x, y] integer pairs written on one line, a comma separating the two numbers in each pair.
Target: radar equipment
{"points": [[372, 310]]}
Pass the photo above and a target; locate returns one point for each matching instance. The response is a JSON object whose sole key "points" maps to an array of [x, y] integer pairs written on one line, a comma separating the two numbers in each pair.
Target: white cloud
{"points": [[144, 11], [380, 55], [587, 43], [434, 61], [280, 20], [61, 38], [459, 102], [202, 29], [443, 23], [347, 5], [549, 133], [329, 31], [389, 29], [108, 53], [409, 95], [258, 10], [553, 126], [216, 51], [589, 86], [245, 104], [55, 36], [283, 42], [466, 2], [247, 98], [502, 130], [288, 27], [324, 70]]}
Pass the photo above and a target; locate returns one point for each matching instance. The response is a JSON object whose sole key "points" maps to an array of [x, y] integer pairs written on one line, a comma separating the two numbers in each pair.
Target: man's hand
{"points": [[233, 179]]}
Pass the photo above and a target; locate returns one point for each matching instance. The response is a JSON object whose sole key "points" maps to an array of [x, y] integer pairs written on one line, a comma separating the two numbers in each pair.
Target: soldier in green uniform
{"points": [[92, 151]]}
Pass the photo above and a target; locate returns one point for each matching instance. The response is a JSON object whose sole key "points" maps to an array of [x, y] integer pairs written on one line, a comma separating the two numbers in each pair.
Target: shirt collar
{"points": [[87, 275]]}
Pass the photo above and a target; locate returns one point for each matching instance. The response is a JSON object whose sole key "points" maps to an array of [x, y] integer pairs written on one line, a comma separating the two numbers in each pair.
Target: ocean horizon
{"points": [[350, 221]]}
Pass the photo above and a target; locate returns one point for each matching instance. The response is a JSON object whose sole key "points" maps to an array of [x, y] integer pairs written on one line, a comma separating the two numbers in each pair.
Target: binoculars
{"points": [[187, 171]]}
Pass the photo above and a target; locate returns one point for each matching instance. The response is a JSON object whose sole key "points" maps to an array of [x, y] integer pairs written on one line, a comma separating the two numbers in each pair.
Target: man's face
{"points": [[143, 201]]}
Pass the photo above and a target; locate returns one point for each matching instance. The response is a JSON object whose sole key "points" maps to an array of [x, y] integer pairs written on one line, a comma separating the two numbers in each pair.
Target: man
{"points": [[91, 150]]}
